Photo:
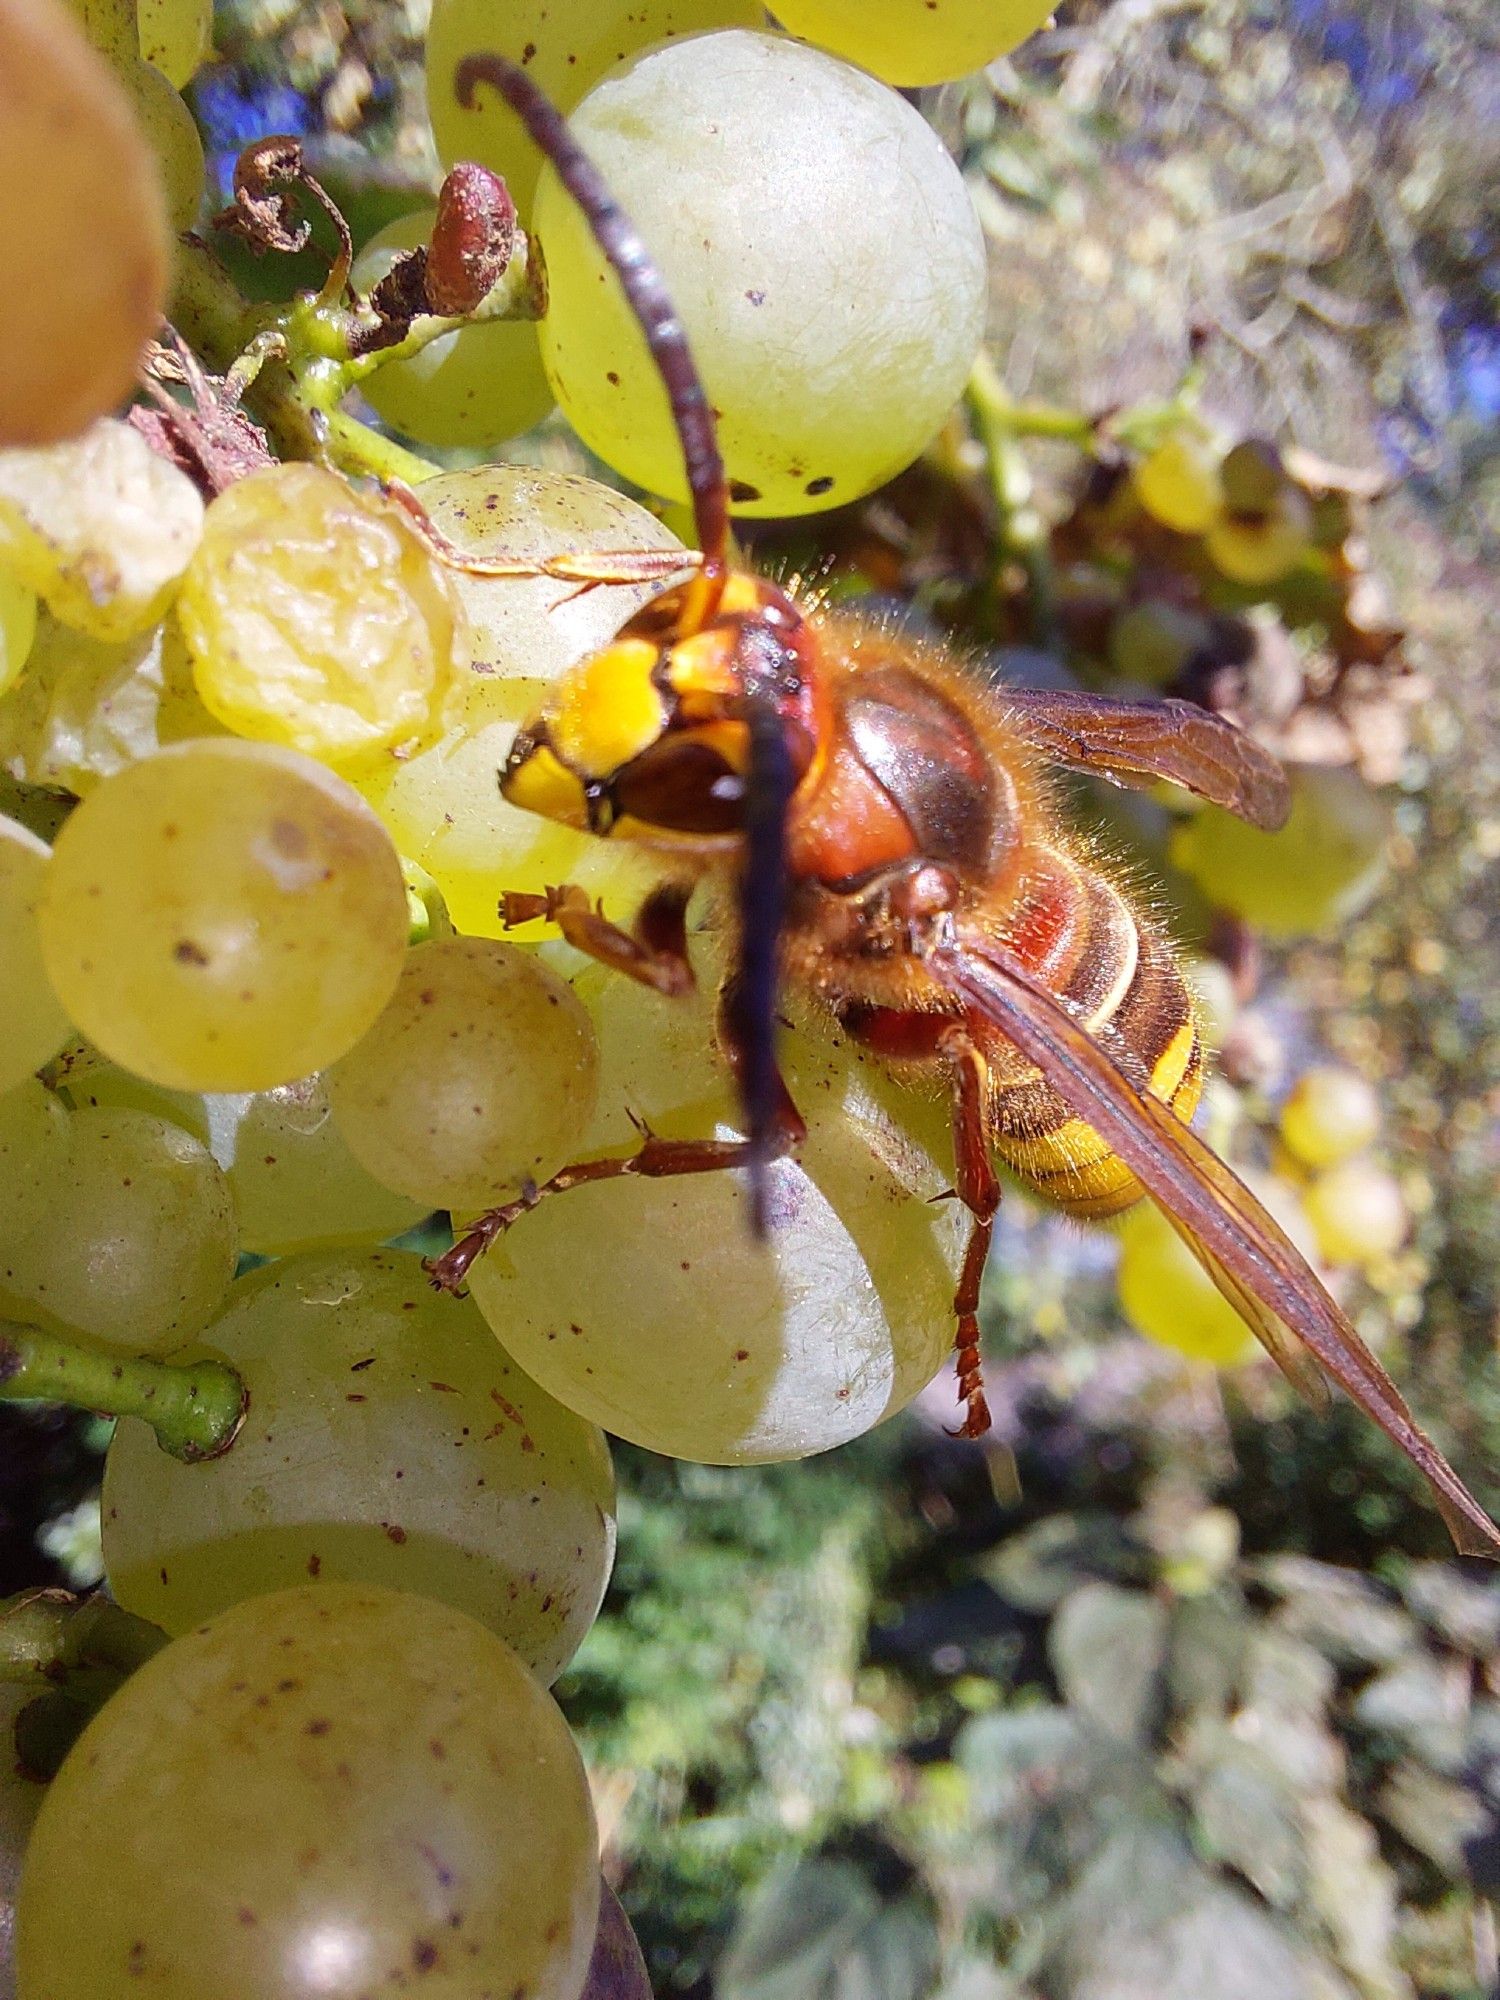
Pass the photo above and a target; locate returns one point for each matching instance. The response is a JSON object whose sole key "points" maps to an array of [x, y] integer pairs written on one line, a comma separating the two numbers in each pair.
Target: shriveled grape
{"points": [[916, 41], [35, 1025], [224, 916], [345, 1789]]}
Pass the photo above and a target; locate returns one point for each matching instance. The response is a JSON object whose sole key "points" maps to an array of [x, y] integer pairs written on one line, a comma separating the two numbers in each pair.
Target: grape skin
{"points": [[17, 629], [431, 1819], [33, 1156], [224, 916], [1169, 1298], [176, 35], [730, 153], [35, 1024], [912, 42], [20, 1802], [393, 1442]]}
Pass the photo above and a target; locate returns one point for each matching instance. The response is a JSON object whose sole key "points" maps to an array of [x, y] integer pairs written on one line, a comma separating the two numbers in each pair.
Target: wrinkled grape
{"points": [[915, 41], [35, 1025]]}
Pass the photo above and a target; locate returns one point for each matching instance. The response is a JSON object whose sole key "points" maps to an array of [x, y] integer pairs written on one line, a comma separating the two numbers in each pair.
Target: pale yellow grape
{"points": [[481, 1073], [20, 1801], [17, 629], [140, 44], [100, 527], [1178, 483], [916, 41], [224, 916], [443, 806], [173, 137], [176, 35], [86, 708], [1330, 1115], [89, 1080], [1167, 1296], [333, 1791], [35, 1024], [1321, 868], [316, 617], [565, 50], [1259, 550], [139, 1244], [33, 1158], [1358, 1212], [834, 314], [476, 387], [393, 1442], [295, 1182], [75, 170]]}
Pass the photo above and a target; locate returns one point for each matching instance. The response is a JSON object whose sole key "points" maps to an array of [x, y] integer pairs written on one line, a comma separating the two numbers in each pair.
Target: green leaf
{"points": [[1245, 1815], [794, 1932], [1108, 1649]]}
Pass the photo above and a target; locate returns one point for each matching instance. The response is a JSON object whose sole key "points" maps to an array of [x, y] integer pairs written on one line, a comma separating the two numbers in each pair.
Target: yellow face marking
{"points": [[543, 784], [606, 710], [741, 594], [699, 667]]}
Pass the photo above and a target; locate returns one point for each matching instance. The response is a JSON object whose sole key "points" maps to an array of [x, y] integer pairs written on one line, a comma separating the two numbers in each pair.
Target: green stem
{"points": [[996, 415], [49, 1636], [1020, 532], [195, 1408], [353, 447]]}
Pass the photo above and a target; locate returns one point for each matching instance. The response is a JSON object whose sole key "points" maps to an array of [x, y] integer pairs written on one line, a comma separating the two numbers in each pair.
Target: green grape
{"points": [[1252, 476], [393, 1442], [224, 916], [17, 629], [33, 1159], [317, 617], [565, 49], [1178, 483], [1330, 1115], [1357, 1212], [1260, 549], [721, 1348], [295, 1182], [1321, 868], [139, 1246], [35, 1025], [911, 42], [87, 707], [834, 315], [90, 1081], [480, 1074], [20, 1801], [1167, 1296], [475, 387], [1153, 641], [320, 1795], [172, 135], [617, 1970], [101, 528], [75, 171], [176, 35]]}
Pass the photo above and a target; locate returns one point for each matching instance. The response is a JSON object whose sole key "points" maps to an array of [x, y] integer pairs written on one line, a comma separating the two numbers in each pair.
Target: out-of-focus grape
{"points": [[100, 528], [393, 1442], [172, 136], [1153, 641], [348, 1788], [33, 1158], [138, 1245], [84, 235], [17, 629], [1322, 867], [859, 296], [224, 916], [1166, 1294], [87, 707], [35, 1025], [1260, 549], [475, 387], [617, 1971], [480, 1074], [140, 44], [176, 35], [565, 49], [1178, 482], [1358, 1212], [20, 1801], [294, 1180], [316, 617], [1330, 1115], [916, 41]]}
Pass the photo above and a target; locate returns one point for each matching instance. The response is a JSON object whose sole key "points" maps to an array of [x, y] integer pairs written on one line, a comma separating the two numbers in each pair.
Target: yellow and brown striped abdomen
{"points": [[1122, 982]]}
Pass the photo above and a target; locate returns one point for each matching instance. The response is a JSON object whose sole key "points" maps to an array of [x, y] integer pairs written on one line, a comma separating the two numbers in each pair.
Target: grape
{"points": [[1321, 868], [717, 1347], [915, 41], [1259, 549], [33, 1158], [101, 528], [565, 56], [334, 1791], [317, 618], [20, 1801], [1330, 1115], [35, 1025], [88, 707], [295, 1182], [443, 806], [476, 387], [173, 137], [176, 35], [139, 1242], [84, 237], [224, 916], [834, 314], [90, 1081], [1357, 1212], [393, 1441], [1167, 1296], [17, 629], [1178, 483], [617, 1970], [481, 1073], [1153, 641]]}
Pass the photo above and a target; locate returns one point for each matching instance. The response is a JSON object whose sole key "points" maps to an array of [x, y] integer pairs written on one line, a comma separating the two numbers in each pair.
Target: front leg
{"points": [[653, 951]]}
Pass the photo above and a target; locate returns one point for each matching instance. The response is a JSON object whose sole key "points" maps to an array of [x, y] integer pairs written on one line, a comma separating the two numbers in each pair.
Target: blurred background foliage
{"points": [[1169, 1689]]}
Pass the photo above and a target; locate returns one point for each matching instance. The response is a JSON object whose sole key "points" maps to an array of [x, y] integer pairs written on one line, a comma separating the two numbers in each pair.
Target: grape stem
{"points": [[195, 1408], [48, 1636]]}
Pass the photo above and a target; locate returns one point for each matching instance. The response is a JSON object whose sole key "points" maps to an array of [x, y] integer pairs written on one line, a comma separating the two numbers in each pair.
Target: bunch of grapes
{"points": [[264, 1033]]}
